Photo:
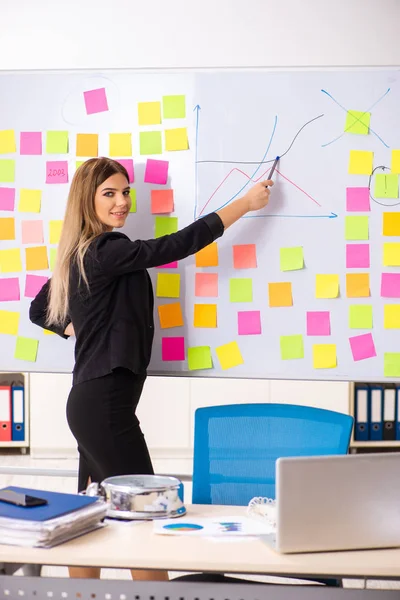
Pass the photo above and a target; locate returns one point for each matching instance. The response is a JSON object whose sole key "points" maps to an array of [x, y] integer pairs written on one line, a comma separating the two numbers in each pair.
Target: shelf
{"points": [[373, 444], [23, 444]]}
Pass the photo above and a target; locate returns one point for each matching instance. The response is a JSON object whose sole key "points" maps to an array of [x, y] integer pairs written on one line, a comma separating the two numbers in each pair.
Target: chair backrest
{"points": [[236, 446]]}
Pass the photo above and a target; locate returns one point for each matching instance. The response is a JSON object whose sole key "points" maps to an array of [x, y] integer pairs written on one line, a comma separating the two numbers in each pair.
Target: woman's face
{"points": [[112, 201]]}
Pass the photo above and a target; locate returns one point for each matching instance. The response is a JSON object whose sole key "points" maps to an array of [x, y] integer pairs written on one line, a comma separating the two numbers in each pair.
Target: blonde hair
{"points": [[80, 227]]}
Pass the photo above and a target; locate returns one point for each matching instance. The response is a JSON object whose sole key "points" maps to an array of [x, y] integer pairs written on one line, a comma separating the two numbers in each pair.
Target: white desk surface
{"points": [[136, 546]]}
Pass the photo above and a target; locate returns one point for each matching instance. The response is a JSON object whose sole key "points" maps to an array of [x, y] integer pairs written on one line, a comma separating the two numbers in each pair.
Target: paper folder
{"points": [[389, 414], [361, 410], [376, 413], [5, 413], [18, 414]]}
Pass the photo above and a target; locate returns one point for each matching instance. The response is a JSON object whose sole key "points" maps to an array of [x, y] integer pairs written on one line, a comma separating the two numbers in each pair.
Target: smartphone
{"points": [[21, 499]]}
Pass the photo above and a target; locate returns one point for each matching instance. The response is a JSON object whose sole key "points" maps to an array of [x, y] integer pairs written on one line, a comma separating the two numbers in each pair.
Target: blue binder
{"points": [[397, 412], [361, 411], [376, 413], [58, 504], [17, 414]]}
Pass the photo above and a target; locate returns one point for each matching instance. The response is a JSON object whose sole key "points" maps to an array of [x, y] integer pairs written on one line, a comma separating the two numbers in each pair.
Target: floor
{"points": [[69, 484]]}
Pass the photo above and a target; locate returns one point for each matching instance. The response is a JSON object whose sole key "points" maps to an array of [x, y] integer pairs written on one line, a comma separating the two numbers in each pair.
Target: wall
{"points": [[184, 34]]}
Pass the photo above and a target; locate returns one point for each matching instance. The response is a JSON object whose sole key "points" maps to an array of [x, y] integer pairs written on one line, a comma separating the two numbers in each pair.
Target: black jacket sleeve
{"points": [[38, 312], [118, 255]]}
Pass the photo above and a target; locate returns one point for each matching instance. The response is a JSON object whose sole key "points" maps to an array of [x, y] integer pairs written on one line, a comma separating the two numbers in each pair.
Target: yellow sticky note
{"points": [[26, 349], [47, 332], [280, 294], [391, 254], [36, 258], [9, 322], [324, 356], [361, 162], [326, 286], [357, 285], [229, 355], [170, 315], [7, 141], [205, 315], [55, 231], [168, 285], [176, 139], [391, 316], [87, 144], [391, 224], [10, 261], [30, 200], [120, 144], [395, 166], [149, 113], [7, 229], [53, 256], [208, 256]]}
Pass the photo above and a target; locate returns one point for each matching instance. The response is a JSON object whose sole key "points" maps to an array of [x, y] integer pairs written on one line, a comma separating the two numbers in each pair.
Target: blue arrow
{"points": [[331, 216], [197, 108]]}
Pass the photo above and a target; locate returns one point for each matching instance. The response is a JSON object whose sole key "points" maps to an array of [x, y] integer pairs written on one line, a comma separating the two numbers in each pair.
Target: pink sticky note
{"points": [[128, 164], [173, 348], [30, 142], [95, 101], [173, 265], [33, 285], [362, 346], [156, 171], [249, 322], [318, 323], [7, 198], [206, 285], [357, 199], [357, 256], [390, 285], [57, 171], [9, 289], [32, 232]]}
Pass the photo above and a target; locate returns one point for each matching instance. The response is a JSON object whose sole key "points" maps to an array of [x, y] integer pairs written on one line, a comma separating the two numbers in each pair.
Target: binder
{"points": [[361, 433], [397, 412], [18, 414], [5, 413], [389, 414], [376, 414]]}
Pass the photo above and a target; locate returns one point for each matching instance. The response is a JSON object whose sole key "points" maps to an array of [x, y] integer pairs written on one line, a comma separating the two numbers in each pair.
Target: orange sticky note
{"points": [[244, 256], [36, 258], [162, 201], [7, 229], [280, 294], [87, 144], [205, 315], [357, 285], [170, 315], [391, 224], [208, 257]]}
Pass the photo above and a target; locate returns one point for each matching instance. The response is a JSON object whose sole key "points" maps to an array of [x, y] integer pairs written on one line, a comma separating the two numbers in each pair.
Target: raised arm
{"points": [[38, 312]]}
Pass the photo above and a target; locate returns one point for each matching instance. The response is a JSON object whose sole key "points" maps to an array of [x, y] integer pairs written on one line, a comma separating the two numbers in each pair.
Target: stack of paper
{"points": [[64, 517]]}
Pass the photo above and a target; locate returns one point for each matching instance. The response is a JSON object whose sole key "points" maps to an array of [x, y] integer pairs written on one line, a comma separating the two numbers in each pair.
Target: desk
{"points": [[135, 546]]}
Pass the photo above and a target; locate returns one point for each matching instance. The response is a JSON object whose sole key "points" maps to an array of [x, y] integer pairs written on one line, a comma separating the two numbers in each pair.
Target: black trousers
{"points": [[101, 416]]}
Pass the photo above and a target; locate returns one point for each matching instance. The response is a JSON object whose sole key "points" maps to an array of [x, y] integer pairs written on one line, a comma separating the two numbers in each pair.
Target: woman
{"points": [[101, 293]]}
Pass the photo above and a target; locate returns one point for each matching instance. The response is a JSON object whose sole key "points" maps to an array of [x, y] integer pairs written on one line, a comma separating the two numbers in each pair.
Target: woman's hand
{"points": [[258, 196], [69, 330]]}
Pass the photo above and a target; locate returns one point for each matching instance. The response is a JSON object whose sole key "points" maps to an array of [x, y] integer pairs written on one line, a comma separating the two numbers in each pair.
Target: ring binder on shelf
{"points": [[376, 414], [361, 410], [389, 414]]}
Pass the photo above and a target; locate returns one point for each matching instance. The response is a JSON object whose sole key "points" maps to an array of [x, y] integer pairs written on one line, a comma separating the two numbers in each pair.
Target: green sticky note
{"points": [[357, 122], [292, 347], [174, 107], [356, 228], [360, 316], [291, 259], [391, 364], [57, 142], [199, 357], [7, 170], [79, 163], [165, 226], [132, 194], [26, 349], [53, 256], [150, 142], [241, 290], [386, 186]]}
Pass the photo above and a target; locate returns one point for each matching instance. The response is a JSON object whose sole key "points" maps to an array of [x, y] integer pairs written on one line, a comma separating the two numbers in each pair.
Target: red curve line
{"points": [[255, 181]]}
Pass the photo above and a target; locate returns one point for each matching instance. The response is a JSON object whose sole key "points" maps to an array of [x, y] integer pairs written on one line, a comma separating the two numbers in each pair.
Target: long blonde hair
{"points": [[80, 227]]}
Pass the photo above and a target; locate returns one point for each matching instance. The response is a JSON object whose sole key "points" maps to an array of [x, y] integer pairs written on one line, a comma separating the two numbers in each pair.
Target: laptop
{"points": [[327, 503]]}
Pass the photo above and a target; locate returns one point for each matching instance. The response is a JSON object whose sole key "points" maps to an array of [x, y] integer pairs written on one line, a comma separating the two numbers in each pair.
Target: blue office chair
{"points": [[236, 447]]}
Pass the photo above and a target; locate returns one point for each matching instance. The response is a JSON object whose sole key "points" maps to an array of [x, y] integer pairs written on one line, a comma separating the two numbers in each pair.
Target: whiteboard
{"points": [[236, 122]]}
